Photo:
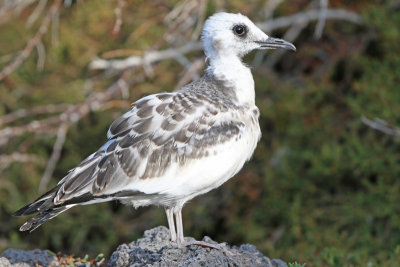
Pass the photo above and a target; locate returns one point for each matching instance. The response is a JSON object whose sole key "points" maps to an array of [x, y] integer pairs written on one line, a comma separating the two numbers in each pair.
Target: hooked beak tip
{"points": [[273, 43]]}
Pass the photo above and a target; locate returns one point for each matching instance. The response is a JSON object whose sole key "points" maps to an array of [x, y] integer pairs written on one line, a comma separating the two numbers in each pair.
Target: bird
{"points": [[173, 146]]}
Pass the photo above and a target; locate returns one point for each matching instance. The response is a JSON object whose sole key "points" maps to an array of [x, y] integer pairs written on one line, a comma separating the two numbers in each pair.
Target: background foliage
{"points": [[322, 188]]}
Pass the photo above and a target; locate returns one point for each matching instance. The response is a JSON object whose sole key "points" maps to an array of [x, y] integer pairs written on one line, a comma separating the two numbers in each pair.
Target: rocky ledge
{"points": [[154, 249]]}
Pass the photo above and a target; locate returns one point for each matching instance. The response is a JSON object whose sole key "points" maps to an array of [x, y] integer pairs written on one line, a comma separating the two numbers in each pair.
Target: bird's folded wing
{"points": [[160, 131]]}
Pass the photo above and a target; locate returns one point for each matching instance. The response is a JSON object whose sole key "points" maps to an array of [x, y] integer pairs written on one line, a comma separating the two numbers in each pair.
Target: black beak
{"points": [[274, 43]]}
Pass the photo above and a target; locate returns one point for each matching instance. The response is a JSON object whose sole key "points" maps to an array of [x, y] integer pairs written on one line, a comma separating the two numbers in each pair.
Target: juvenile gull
{"points": [[171, 147]]}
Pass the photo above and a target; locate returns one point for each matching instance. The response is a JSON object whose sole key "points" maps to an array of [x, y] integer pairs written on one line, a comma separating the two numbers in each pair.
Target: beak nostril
{"points": [[273, 43], [278, 41]]}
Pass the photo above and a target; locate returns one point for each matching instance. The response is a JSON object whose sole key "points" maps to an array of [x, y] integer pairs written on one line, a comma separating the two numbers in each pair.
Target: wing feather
{"points": [[159, 131]]}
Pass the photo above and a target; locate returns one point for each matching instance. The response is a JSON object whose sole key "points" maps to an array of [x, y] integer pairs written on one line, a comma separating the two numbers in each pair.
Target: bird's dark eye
{"points": [[240, 30]]}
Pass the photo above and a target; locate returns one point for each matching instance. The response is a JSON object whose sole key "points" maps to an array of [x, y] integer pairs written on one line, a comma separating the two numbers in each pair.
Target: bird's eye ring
{"points": [[240, 30]]}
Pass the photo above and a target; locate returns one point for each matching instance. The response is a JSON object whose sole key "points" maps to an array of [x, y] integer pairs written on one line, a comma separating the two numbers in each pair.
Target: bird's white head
{"points": [[227, 34]]}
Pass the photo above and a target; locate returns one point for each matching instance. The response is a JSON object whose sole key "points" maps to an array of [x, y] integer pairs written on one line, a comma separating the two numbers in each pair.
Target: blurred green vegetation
{"points": [[322, 189]]}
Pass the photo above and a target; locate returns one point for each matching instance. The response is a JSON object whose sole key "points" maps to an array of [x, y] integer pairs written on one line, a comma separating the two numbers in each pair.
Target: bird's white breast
{"points": [[198, 176]]}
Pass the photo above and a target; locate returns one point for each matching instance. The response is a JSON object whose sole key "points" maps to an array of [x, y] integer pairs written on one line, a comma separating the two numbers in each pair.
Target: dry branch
{"points": [[7, 160], [270, 8], [41, 110], [37, 126], [307, 17], [32, 43], [12, 7], [55, 156], [191, 73], [290, 35], [36, 13], [96, 101], [381, 125], [41, 56], [322, 19], [148, 59], [118, 17]]}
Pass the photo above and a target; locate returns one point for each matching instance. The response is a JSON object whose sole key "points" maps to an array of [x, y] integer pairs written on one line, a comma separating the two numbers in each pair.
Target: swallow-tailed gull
{"points": [[172, 147]]}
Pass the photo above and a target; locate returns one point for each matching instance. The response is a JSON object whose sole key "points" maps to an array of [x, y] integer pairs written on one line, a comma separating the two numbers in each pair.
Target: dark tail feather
{"points": [[45, 206], [44, 202], [34, 207], [41, 218]]}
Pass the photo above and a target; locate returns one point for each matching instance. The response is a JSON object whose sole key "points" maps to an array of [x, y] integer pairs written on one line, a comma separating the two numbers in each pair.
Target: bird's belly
{"points": [[183, 181], [199, 176]]}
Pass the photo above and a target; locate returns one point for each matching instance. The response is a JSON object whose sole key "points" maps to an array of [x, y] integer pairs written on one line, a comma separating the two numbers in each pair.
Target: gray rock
{"points": [[155, 249], [27, 258]]}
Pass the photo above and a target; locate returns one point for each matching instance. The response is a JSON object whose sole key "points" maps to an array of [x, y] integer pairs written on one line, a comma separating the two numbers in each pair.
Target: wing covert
{"points": [[159, 131]]}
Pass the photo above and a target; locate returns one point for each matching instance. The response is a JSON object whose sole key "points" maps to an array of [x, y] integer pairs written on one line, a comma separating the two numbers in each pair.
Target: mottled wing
{"points": [[161, 131]]}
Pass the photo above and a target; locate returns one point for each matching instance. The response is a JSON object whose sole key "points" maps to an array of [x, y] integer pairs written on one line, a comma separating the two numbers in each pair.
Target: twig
{"points": [[291, 35], [116, 104], [149, 58], [22, 113], [7, 8], [143, 28], [321, 19], [55, 21], [192, 73], [73, 115], [8, 57], [118, 17], [36, 13], [124, 88], [20, 5], [270, 8], [7, 160], [308, 16], [181, 22], [41, 56], [55, 156], [202, 4], [32, 42], [42, 126], [381, 125], [297, 23], [68, 3]]}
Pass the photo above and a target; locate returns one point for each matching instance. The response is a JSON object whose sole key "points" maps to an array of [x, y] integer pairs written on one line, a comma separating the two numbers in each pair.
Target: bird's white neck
{"points": [[231, 70]]}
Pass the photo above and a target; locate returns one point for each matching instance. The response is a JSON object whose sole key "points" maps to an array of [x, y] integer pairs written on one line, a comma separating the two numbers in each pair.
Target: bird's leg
{"points": [[171, 224], [179, 227], [181, 240]]}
